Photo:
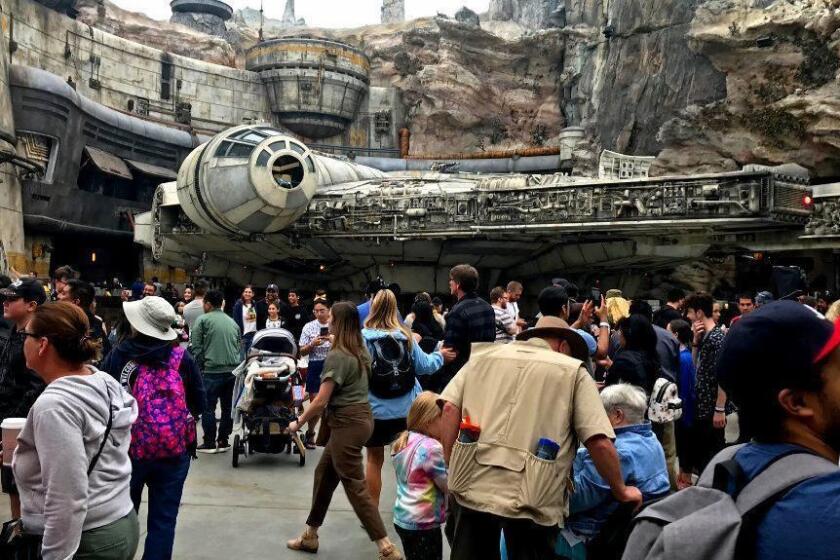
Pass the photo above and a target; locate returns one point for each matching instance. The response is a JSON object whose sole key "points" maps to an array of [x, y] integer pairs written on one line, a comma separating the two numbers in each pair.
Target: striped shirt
{"points": [[504, 324]]}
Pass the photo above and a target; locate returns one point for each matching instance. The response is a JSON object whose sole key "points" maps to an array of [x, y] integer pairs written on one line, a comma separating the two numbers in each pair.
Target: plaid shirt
{"points": [[471, 320]]}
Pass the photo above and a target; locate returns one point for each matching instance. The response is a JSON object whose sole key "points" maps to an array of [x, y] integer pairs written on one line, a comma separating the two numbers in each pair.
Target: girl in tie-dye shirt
{"points": [[420, 508]]}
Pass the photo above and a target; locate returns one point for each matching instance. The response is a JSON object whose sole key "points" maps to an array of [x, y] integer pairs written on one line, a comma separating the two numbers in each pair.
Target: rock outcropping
{"points": [[782, 90], [393, 11], [706, 85], [249, 18], [465, 88], [533, 14], [203, 23]]}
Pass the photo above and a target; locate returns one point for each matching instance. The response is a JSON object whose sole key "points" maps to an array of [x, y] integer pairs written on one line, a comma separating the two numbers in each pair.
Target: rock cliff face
{"points": [[706, 85], [633, 65], [203, 23], [533, 14], [465, 88], [171, 37], [783, 97]]}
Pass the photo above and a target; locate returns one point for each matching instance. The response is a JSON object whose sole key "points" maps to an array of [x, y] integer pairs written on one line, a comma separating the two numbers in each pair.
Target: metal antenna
{"points": [[262, 21]]}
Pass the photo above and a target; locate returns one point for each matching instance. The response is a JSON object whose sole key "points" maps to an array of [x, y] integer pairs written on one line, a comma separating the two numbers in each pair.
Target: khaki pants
{"points": [[667, 437], [115, 541], [350, 427]]}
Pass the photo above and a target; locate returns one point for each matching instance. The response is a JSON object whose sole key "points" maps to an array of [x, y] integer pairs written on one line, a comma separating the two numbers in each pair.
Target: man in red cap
{"points": [[781, 366]]}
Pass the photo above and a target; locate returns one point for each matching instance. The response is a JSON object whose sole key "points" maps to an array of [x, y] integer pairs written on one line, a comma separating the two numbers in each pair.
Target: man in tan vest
{"points": [[519, 395]]}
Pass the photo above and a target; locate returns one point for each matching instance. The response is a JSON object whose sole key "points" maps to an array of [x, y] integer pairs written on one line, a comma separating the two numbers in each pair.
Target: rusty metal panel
{"points": [[153, 170], [108, 163]]}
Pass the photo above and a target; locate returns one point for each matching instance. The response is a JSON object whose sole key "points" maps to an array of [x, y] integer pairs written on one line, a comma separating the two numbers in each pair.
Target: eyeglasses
{"points": [[32, 334]]}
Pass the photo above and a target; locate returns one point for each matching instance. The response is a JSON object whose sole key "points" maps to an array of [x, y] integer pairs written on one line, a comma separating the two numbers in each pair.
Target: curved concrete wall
{"points": [[125, 75], [314, 86]]}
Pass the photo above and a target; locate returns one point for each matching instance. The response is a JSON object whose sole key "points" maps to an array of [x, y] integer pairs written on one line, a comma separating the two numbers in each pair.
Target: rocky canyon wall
{"points": [[706, 85], [629, 69], [781, 61]]}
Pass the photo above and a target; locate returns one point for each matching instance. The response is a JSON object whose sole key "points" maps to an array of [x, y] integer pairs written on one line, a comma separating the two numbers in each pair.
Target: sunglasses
{"points": [[32, 334]]}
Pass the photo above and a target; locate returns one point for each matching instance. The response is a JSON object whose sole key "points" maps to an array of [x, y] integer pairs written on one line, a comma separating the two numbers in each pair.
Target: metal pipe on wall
{"points": [[533, 164]]}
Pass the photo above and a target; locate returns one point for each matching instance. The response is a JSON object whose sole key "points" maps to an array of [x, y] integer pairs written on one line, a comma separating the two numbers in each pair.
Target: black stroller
{"points": [[268, 395]]}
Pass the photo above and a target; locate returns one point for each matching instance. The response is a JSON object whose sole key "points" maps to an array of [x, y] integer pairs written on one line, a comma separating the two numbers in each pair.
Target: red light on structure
{"points": [[807, 201]]}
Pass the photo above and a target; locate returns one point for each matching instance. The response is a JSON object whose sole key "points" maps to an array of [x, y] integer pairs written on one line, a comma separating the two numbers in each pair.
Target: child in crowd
{"points": [[274, 321], [420, 508]]}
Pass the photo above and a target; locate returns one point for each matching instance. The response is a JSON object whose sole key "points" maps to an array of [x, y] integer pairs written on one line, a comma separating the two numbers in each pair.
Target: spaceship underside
{"points": [[278, 210]]}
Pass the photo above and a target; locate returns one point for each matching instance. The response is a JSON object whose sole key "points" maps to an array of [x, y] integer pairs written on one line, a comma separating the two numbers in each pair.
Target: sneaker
{"points": [[222, 446], [209, 448]]}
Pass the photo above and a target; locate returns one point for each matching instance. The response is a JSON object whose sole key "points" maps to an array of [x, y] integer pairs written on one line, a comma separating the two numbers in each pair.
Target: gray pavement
{"points": [[251, 511]]}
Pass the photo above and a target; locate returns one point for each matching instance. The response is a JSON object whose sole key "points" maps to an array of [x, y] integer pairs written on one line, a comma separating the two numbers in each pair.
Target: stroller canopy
{"points": [[276, 341]]}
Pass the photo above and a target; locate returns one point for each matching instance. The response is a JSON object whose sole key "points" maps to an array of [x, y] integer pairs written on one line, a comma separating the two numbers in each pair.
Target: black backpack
{"points": [[392, 370]]}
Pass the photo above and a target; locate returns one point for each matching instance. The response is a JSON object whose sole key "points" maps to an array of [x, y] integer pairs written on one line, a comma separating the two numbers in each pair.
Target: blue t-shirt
{"points": [[424, 364], [364, 311], [685, 383], [805, 523]]}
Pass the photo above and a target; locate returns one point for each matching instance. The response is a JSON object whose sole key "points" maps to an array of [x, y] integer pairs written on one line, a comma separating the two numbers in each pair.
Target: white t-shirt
{"points": [[193, 310], [513, 309], [249, 318]]}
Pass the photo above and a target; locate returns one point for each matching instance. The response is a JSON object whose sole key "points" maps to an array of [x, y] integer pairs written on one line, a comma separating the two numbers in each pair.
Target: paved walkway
{"points": [[251, 511]]}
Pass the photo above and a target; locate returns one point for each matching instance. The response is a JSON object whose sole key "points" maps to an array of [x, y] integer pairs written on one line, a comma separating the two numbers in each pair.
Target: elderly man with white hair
{"points": [[642, 465]]}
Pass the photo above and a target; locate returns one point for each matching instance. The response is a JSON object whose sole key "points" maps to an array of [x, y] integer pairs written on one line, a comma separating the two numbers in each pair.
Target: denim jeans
{"points": [[247, 341], [165, 479], [219, 387]]}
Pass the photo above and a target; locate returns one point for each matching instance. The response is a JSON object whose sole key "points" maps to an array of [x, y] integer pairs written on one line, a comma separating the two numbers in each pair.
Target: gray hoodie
{"points": [[63, 432]]}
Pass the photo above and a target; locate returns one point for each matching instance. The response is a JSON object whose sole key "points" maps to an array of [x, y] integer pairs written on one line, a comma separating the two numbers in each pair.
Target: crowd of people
{"points": [[524, 437]]}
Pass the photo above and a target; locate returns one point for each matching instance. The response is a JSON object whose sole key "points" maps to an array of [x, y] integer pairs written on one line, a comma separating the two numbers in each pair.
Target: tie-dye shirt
{"points": [[421, 485]]}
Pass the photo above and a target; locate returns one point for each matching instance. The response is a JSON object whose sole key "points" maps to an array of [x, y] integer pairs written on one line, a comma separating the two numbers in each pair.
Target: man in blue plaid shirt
{"points": [[470, 320]]}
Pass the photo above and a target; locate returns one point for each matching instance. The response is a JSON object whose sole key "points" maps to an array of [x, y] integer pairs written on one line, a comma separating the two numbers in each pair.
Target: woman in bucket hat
{"points": [[168, 386]]}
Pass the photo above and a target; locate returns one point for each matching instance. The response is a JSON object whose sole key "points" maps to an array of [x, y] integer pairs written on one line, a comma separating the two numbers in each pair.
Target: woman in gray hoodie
{"points": [[71, 465]]}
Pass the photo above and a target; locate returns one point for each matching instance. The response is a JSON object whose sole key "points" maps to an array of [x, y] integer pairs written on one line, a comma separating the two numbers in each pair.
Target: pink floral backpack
{"points": [[165, 427]]}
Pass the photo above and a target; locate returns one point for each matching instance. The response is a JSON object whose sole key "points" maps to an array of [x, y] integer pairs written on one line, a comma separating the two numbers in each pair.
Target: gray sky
{"points": [[322, 13]]}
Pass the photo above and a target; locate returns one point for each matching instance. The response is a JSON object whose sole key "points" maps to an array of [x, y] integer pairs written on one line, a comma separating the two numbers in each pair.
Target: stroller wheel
{"points": [[236, 449]]}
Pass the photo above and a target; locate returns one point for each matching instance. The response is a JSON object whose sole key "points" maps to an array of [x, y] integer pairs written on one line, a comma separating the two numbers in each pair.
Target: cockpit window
{"points": [[263, 158], [242, 143], [287, 171]]}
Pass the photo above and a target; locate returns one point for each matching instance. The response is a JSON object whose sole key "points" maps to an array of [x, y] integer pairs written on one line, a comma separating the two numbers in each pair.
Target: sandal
{"points": [[391, 554]]}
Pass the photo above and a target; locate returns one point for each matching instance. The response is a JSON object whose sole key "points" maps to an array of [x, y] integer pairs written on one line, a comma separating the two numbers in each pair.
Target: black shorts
{"points": [[385, 432], [7, 481]]}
